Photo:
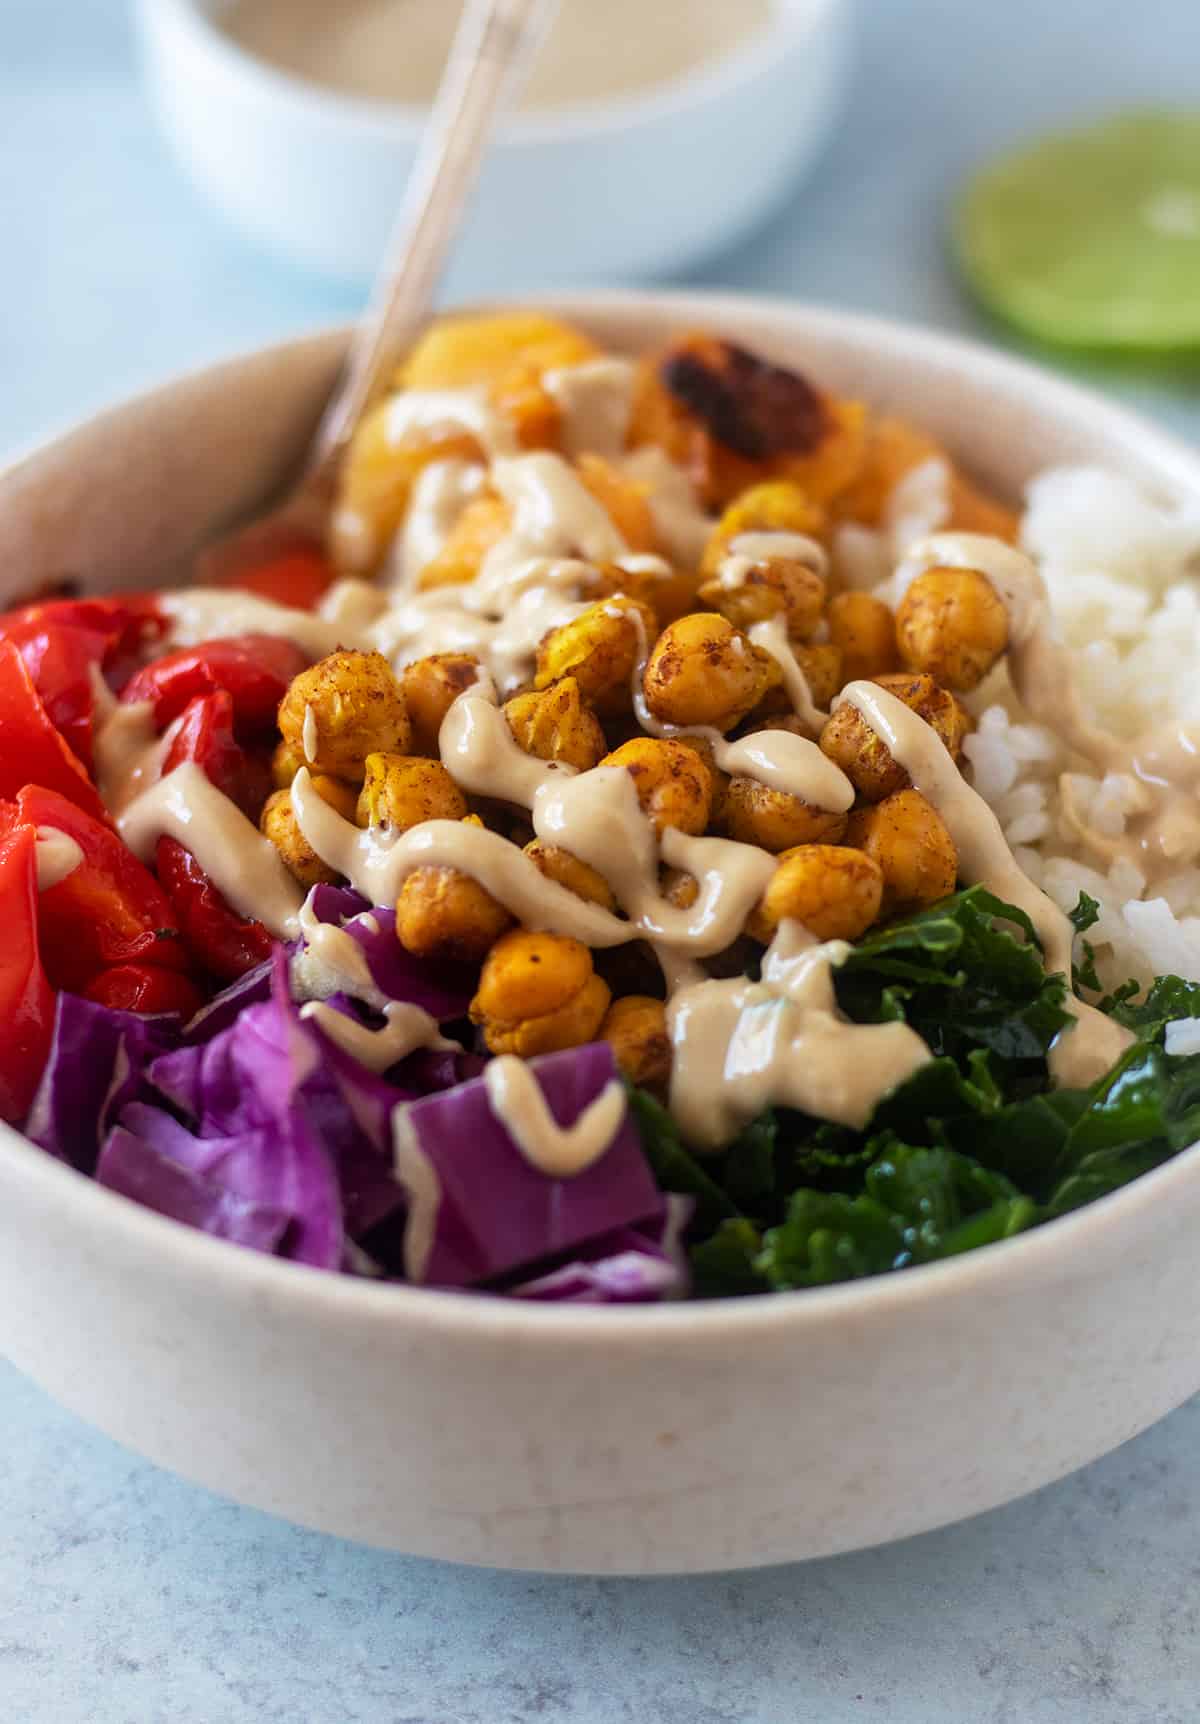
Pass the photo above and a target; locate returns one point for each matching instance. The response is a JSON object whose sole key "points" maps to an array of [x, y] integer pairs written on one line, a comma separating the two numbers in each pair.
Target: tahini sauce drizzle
{"points": [[56, 855], [560, 1152], [406, 1028], [741, 1046], [1080, 1055], [244, 866]]}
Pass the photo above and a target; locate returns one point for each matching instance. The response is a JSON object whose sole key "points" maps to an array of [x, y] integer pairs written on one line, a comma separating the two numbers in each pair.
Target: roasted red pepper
{"points": [[298, 577], [206, 736], [26, 1000], [108, 910], [254, 670], [34, 751], [145, 988], [222, 942], [62, 641]]}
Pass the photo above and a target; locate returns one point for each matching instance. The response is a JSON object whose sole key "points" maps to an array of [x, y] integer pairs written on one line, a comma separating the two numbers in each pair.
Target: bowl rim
{"points": [[453, 1314], [792, 23]]}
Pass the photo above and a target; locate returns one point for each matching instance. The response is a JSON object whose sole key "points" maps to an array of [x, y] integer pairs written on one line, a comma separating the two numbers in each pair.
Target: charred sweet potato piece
{"points": [[734, 419]]}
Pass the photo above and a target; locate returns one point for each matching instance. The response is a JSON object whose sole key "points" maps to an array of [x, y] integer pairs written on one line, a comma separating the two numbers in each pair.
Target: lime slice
{"points": [[1092, 238]]}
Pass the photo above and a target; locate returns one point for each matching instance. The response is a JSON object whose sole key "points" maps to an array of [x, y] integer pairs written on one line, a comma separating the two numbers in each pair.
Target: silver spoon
{"points": [[493, 49]]}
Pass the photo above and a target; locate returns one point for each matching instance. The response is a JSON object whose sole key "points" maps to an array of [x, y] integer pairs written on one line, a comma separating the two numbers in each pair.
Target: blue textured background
{"points": [[127, 1597]]}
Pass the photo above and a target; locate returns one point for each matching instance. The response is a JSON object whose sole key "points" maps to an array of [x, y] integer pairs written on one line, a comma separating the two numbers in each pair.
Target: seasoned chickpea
{"points": [[338, 794], [278, 823], [776, 506], [775, 820], [908, 839], [865, 629], [679, 887], [752, 588], [636, 1029], [850, 743], [703, 671], [442, 913], [285, 764], [554, 724], [669, 592], [343, 708], [821, 662], [538, 992], [953, 624], [672, 782], [834, 891], [402, 790], [578, 877], [431, 686], [600, 648]]}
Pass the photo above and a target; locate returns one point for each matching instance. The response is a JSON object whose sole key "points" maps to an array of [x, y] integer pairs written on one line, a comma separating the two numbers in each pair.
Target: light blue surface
{"points": [[127, 1597]]}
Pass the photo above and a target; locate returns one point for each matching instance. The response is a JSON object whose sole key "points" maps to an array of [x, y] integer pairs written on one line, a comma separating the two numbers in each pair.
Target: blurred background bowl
{"points": [[605, 190]]}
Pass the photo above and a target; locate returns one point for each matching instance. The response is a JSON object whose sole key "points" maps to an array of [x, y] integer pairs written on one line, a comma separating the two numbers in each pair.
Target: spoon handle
{"points": [[493, 49]]}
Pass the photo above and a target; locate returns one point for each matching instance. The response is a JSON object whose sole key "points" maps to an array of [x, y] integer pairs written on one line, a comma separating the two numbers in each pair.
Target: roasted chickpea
{"points": [[600, 648], [338, 794], [703, 671], [753, 586], [754, 813], [402, 790], [679, 887], [442, 913], [669, 592], [776, 506], [671, 780], [578, 877], [850, 743], [953, 624], [636, 1029], [278, 823], [821, 662], [554, 724], [908, 839], [343, 708], [834, 891], [431, 686], [285, 764], [538, 992], [865, 630]]}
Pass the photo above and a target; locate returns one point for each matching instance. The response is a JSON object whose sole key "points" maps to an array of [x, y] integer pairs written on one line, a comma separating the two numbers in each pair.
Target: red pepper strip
{"points": [[61, 641], [145, 988], [26, 1001], [31, 750], [108, 910], [205, 735], [221, 942], [254, 670], [297, 578]]}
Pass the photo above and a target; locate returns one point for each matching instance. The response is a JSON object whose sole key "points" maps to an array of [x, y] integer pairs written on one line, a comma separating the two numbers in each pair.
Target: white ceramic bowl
{"points": [[625, 189], [636, 1440]]}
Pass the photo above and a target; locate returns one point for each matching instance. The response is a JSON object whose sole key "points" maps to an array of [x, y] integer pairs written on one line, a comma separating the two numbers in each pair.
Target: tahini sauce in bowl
{"points": [[393, 50]]}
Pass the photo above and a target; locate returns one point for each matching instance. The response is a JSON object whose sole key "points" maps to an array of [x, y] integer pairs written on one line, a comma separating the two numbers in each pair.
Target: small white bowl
{"points": [[606, 191], [634, 1440]]}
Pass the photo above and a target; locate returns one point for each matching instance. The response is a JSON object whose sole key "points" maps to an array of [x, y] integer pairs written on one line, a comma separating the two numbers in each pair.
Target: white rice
{"points": [[1121, 572]]}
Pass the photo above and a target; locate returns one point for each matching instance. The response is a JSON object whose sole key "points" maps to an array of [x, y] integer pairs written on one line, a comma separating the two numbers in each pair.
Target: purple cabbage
{"points": [[224, 1008], [631, 1265], [443, 989], [97, 1062], [489, 1211], [130, 1165]]}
